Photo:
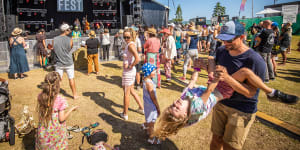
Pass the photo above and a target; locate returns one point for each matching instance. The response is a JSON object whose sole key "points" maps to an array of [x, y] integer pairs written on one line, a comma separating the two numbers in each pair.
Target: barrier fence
{"points": [[32, 56]]}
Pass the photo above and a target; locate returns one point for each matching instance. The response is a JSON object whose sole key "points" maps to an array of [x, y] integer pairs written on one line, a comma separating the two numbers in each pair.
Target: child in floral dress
{"points": [[52, 130]]}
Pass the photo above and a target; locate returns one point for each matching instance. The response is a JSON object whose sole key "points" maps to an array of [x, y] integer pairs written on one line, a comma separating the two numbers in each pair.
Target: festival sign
{"points": [[70, 5], [289, 13]]}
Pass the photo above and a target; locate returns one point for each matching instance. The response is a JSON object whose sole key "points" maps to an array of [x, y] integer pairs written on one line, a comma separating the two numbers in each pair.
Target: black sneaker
{"points": [[285, 98]]}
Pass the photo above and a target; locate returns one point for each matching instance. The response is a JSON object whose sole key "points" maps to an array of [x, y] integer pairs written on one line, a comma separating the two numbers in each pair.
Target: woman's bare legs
{"points": [[136, 97], [126, 90]]}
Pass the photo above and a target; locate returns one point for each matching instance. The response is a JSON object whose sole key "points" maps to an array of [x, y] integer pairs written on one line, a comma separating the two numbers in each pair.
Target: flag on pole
{"points": [[242, 7]]}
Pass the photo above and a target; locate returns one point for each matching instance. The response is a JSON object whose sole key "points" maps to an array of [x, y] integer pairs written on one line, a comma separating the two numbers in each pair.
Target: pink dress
{"points": [[128, 76], [53, 137]]}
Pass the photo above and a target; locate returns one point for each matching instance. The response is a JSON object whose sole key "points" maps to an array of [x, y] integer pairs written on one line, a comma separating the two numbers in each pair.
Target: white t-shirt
{"points": [[170, 50], [138, 43], [105, 39]]}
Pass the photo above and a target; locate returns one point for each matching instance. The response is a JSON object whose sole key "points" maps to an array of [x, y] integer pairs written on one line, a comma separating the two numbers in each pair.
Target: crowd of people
{"points": [[236, 71]]}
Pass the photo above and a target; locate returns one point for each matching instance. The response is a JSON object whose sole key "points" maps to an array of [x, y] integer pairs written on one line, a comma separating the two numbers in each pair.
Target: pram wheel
{"points": [[11, 131]]}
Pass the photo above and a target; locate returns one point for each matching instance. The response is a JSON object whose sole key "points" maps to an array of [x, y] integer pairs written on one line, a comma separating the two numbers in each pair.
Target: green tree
{"points": [[178, 15], [219, 10]]}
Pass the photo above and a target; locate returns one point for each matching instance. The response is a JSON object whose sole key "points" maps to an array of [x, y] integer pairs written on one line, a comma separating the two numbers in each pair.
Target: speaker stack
{"points": [[127, 20], [32, 14], [223, 19], [2, 21], [105, 12], [201, 21]]}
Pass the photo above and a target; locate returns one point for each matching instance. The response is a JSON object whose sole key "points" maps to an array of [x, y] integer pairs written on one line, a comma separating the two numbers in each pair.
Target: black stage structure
{"points": [[32, 15]]}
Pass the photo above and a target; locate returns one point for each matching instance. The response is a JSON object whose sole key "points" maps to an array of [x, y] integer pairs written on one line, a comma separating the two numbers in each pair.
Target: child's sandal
{"points": [[154, 141], [144, 127]]}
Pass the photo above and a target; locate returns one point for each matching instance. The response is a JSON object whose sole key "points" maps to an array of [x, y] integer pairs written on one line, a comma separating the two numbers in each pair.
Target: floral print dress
{"points": [[53, 137]]}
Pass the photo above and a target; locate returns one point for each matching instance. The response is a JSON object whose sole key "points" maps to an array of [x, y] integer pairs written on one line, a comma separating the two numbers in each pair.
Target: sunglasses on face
{"points": [[126, 37], [230, 41]]}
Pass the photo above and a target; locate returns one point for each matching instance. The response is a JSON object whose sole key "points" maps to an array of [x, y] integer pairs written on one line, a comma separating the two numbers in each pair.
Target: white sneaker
{"points": [[125, 117], [140, 111]]}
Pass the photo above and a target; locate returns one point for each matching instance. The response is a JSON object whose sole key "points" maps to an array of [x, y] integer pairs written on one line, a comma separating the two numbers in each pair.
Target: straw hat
{"points": [[192, 28], [165, 30], [16, 31], [191, 33], [121, 31], [152, 31], [92, 34]]}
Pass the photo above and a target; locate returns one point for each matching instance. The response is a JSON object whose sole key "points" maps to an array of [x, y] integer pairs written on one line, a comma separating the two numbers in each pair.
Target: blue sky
{"points": [[204, 8]]}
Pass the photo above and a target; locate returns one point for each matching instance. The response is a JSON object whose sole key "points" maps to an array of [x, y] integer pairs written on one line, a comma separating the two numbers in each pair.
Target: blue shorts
{"points": [[150, 112]]}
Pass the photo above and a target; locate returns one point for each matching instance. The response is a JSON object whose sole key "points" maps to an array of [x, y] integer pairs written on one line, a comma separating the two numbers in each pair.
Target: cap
{"points": [[148, 69], [230, 30], [171, 24], [275, 24], [64, 27]]}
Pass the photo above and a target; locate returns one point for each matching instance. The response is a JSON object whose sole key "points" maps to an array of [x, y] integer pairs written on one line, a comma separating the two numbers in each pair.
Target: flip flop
{"points": [[94, 125]]}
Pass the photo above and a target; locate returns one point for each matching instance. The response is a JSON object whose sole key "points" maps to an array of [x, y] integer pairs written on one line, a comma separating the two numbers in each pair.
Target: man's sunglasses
{"points": [[230, 41], [126, 37]]}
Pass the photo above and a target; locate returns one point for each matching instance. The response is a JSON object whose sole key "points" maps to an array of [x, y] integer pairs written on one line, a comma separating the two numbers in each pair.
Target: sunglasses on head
{"points": [[126, 37], [230, 41]]}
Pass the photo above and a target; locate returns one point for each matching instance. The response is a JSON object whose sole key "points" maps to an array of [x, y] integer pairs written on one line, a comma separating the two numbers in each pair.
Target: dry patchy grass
{"points": [[102, 99]]}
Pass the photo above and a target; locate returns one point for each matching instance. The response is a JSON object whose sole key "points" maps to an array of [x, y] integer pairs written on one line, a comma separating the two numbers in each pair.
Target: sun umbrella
{"points": [[268, 11]]}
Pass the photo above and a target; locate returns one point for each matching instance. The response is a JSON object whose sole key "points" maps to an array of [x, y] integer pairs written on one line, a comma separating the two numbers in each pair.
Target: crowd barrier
{"points": [[32, 56]]}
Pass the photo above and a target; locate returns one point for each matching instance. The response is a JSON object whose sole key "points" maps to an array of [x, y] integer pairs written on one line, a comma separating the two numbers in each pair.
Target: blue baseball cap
{"points": [[275, 24], [147, 69], [230, 30]]}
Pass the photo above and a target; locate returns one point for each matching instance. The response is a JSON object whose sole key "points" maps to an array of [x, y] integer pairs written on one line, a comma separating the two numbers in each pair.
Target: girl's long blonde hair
{"points": [[50, 89], [168, 124]]}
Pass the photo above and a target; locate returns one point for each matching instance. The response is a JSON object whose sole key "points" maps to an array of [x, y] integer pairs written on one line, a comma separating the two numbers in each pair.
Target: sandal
{"points": [[94, 125], [144, 127], [74, 128], [154, 141], [69, 136]]}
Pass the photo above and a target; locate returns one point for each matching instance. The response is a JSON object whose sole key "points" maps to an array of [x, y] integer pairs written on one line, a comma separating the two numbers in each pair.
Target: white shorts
{"points": [[68, 69]]}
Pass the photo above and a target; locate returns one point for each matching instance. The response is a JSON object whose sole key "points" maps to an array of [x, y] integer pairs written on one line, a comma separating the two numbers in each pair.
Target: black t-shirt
{"points": [[285, 41], [92, 45], [249, 59], [267, 41]]}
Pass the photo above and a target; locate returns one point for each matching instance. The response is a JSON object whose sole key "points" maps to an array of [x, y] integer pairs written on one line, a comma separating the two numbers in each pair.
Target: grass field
{"points": [[102, 99]]}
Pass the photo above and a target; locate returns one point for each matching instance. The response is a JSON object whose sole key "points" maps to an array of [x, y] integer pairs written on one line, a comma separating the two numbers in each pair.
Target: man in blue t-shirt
{"points": [[233, 117]]}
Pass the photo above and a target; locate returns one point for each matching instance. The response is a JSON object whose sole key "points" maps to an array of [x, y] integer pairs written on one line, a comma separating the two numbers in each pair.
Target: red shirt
{"points": [[152, 45]]}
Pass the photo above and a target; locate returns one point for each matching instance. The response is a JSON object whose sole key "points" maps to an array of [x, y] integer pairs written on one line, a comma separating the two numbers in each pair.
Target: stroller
{"points": [[7, 129]]}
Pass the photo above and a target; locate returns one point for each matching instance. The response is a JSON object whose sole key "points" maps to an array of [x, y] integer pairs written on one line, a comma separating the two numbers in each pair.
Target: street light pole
{"points": [[252, 8]]}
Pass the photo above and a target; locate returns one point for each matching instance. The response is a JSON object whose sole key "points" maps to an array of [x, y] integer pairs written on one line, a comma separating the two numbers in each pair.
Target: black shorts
{"points": [[138, 66]]}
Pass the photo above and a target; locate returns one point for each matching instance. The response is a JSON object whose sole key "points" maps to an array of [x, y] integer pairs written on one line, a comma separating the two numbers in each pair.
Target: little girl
{"points": [[195, 103], [52, 130], [151, 106]]}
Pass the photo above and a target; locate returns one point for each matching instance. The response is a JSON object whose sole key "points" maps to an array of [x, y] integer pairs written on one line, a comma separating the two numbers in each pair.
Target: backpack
{"points": [[93, 138]]}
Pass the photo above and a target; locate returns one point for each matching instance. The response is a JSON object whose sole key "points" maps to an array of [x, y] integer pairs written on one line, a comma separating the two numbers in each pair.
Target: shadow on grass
{"points": [[28, 140], [111, 65], [132, 136], [293, 60], [295, 73], [62, 91], [171, 86], [99, 98], [117, 80]]}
